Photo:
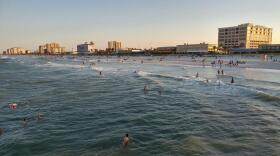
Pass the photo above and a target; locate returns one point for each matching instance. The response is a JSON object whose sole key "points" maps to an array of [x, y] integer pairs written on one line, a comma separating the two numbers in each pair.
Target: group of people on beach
{"points": [[220, 72]]}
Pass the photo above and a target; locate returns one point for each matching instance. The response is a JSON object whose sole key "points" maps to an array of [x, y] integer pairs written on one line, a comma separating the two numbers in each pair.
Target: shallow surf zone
{"points": [[85, 113]]}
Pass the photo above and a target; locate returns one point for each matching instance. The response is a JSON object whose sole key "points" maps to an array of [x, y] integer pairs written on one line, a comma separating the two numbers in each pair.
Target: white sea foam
{"points": [[263, 70], [97, 68], [60, 65]]}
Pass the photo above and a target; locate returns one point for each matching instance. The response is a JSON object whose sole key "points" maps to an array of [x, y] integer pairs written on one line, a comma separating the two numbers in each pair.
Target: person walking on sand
{"points": [[125, 140]]}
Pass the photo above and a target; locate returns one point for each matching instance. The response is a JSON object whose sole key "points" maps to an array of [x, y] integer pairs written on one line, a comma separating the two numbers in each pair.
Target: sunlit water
{"points": [[85, 113]]}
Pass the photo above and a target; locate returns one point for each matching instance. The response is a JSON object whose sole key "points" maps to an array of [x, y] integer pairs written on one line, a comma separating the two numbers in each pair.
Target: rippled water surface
{"points": [[85, 113]]}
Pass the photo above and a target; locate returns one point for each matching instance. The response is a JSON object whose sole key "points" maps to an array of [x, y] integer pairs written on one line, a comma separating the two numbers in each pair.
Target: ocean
{"points": [[88, 103]]}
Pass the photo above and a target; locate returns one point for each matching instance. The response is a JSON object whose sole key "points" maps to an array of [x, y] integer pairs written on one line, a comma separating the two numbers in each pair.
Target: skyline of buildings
{"points": [[139, 24], [245, 36]]}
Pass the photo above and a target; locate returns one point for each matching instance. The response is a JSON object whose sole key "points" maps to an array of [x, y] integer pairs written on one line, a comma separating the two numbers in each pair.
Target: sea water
{"points": [[86, 108]]}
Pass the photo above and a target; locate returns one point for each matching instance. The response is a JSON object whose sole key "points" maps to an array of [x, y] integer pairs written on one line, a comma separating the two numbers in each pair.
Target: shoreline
{"points": [[147, 54]]}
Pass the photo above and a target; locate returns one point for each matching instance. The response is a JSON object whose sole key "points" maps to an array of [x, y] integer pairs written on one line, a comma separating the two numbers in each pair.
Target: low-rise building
{"points": [[166, 50], [86, 48], [17, 51], [243, 50], [201, 48], [269, 48]]}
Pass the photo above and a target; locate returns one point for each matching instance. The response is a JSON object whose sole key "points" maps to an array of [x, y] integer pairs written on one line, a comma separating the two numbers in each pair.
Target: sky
{"points": [[136, 23]]}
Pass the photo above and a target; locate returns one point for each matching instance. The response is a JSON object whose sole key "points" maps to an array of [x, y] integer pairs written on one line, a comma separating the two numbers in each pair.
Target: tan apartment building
{"points": [[114, 45], [245, 35], [17, 51], [51, 48]]}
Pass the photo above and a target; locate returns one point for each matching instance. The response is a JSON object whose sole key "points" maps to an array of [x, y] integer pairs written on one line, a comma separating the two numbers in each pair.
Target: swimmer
{"points": [[24, 122], [160, 91], [232, 80], [39, 116], [125, 140], [145, 89]]}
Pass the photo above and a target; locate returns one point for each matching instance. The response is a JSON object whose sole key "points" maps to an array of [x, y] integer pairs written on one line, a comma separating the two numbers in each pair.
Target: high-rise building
{"points": [[245, 35], [51, 48], [114, 45], [86, 47]]}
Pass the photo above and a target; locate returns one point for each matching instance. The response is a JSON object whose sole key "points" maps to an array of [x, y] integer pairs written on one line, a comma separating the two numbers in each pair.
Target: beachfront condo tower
{"points": [[86, 47], [245, 35], [114, 45]]}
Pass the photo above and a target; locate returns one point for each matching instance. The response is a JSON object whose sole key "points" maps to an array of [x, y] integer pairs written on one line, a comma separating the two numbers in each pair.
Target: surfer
{"points": [[232, 80], [125, 140]]}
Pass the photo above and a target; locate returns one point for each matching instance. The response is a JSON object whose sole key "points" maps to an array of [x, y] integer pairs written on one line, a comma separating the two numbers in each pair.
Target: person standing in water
{"points": [[196, 75], [125, 140], [232, 80]]}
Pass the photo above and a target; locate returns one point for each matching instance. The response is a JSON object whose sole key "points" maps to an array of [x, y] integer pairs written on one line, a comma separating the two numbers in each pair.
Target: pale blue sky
{"points": [[137, 23]]}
